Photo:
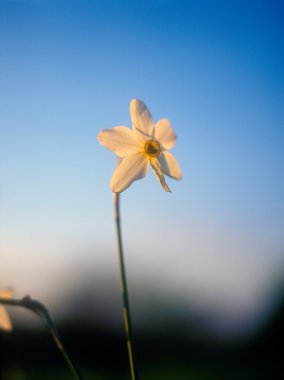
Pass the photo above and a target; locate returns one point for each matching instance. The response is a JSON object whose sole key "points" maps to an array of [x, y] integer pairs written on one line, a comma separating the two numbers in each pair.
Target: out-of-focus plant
{"points": [[41, 311], [5, 321]]}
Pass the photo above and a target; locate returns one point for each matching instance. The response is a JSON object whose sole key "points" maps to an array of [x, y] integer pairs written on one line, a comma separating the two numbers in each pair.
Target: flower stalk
{"points": [[41, 311], [124, 290]]}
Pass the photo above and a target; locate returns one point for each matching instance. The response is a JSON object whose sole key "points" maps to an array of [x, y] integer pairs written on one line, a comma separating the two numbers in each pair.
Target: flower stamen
{"points": [[152, 148]]}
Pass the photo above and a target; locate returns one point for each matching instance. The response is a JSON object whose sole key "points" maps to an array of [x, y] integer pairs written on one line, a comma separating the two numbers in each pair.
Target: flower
{"points": [[5, 322], [147, 143]]}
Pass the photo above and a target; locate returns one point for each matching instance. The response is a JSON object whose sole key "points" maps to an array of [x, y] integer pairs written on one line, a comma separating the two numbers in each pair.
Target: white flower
{"points": [[147, 143], [5, 322]]}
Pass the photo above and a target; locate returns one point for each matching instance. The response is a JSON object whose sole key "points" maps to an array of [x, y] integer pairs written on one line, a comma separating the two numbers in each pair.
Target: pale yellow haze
{"points": [[5, 322], [146, 144]]}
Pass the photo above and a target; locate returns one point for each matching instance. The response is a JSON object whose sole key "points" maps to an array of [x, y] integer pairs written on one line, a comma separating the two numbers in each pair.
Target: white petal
{"points": [[121, 140], [141, 119], [6, 293], [169, 165], [5, 322], [159, 174], [131, 169], [165, 134]]}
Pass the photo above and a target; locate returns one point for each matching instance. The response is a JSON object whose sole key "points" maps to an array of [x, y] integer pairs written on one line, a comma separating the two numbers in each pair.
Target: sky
{"points": [[69, 69]]}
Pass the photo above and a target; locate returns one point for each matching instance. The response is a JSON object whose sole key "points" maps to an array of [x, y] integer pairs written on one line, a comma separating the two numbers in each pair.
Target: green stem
{"points": [[124, 292], [39, 309]]}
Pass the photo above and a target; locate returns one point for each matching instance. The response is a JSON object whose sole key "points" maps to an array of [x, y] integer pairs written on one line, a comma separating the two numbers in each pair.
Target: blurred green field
{"points": [[165, 371], [100, 353]]}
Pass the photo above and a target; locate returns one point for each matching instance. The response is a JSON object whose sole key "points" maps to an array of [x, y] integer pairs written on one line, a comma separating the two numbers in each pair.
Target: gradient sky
{"points": [[214, 68]]}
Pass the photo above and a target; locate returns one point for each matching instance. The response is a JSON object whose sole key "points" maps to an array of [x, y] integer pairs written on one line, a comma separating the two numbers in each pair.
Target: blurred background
{"points": [[205, 264]]}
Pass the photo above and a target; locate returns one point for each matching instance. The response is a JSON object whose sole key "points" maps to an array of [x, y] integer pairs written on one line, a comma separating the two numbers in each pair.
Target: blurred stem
{"points": [[124, 291], [40, 310]]}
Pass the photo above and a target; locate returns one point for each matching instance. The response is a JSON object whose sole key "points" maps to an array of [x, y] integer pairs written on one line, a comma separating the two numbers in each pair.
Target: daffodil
{"points": [[146, 144], [5, 322]]}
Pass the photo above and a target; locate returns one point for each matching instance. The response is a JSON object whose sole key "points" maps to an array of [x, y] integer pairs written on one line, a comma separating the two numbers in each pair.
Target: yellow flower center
{"points": [[152, 148]]}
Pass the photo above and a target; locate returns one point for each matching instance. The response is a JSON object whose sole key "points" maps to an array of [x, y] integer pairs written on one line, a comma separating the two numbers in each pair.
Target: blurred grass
{"points": [[100, 353], [164, 371]]}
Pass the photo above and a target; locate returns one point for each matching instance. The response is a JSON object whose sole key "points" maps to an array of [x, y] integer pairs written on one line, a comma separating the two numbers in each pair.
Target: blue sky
{"points": [[215, 69]]}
